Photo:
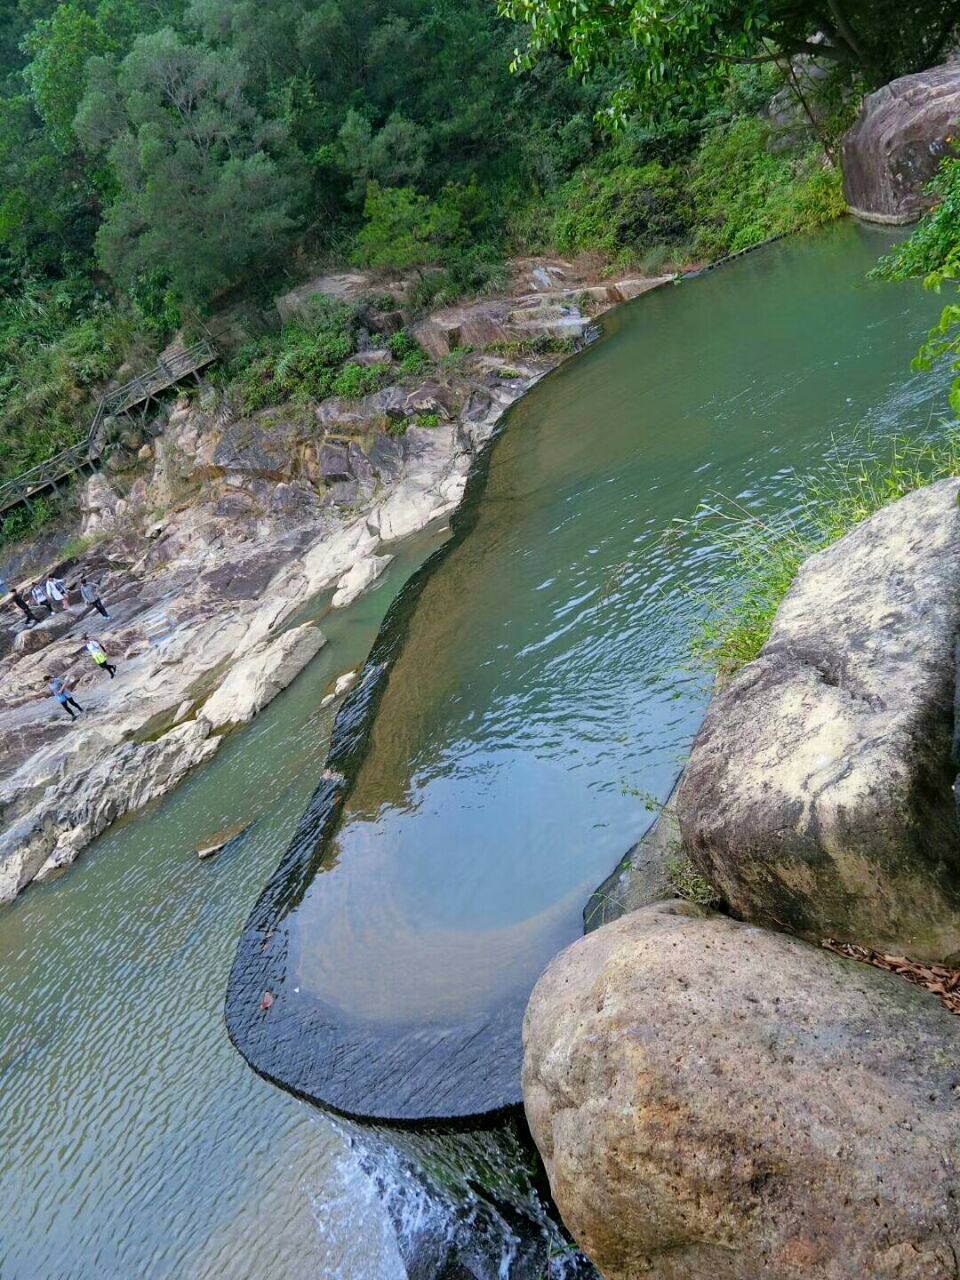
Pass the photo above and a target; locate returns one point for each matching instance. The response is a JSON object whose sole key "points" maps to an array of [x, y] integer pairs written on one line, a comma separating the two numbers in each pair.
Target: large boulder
{"points": [[260, 675], [358, 579], [714, 1101], [818, 796], [891, 153], [33, 639], [78, 806]]}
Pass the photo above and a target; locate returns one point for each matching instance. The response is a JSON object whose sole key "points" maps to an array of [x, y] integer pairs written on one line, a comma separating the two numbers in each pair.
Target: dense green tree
{"points": [[401, 229], [394, 156], [60, 47], [670, 54], [207, 189]]}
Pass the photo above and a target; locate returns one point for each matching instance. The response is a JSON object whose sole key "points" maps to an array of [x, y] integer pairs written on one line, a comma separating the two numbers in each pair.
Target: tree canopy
{"points": [[669, 54]]}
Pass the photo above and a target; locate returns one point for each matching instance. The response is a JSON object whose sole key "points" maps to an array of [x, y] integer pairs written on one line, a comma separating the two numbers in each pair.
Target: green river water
{"points": [[543, 688]]}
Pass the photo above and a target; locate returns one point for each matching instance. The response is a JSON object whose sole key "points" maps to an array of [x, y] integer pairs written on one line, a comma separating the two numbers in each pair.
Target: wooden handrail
{"points": [[58, 467]]}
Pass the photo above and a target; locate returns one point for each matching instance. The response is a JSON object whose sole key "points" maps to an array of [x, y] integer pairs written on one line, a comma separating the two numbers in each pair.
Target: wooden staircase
{"points": [[173, 366]]}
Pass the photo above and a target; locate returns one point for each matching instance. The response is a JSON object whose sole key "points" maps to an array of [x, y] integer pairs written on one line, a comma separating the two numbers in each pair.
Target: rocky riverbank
{"points": [[713, 1098], [217, 531]]}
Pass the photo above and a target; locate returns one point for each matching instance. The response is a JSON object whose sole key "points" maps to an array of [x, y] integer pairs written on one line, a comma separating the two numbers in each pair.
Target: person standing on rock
{"points": [[39, 598], [58, 687], [56, 590], [99, 655], [22, 605], [90, 594]]}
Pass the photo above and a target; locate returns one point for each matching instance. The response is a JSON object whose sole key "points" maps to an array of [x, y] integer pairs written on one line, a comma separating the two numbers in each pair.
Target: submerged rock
{"points": [[896, 146], [713, 1101], [819, 792]]}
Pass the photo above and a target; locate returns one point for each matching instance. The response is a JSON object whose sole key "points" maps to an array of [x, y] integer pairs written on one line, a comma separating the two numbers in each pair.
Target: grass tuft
{"points": [[763, 556]]}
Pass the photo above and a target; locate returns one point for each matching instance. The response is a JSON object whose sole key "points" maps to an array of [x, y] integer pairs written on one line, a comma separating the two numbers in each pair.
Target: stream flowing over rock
{"points": [[896, 146], [717, 1102], [818, 796]]}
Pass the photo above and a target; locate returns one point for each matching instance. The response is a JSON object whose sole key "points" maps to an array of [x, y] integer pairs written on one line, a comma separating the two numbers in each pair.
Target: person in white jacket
{"points": [[39, 597], [56, 590]]}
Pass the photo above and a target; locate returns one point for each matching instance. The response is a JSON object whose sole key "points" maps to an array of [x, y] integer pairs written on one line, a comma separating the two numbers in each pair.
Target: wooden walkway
{"points": [[172, 367]]}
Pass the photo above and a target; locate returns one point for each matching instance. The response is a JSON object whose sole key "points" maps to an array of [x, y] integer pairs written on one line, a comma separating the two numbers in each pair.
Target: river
{"points": [[541, 693]]}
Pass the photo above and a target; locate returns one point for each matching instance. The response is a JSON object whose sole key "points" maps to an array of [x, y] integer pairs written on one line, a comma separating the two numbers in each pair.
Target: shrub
{"points": [[402, 344], [610, 207], [23, 522], [306, 361], [687, 882], [742, 194], [414, 363], [58, 344], [936, 237], [355, 380]]}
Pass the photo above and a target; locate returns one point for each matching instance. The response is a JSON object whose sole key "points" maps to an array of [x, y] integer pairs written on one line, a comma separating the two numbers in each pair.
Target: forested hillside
{"points": [[159, 158]]}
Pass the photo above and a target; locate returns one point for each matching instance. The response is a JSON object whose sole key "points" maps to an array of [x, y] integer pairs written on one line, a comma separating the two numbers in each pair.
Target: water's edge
{"points": [[261, 955], [261, 952]]}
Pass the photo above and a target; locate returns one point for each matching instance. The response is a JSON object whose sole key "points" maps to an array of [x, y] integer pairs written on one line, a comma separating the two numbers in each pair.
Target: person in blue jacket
{"points": [[58, 687]]}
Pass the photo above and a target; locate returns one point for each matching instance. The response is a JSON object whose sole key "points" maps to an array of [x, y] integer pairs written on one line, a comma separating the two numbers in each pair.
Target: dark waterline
{"points": [[531, 687]]}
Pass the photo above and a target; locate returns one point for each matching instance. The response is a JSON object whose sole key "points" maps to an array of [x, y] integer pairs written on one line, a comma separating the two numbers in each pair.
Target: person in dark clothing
{"points": [[58, 688], [22, 605]]}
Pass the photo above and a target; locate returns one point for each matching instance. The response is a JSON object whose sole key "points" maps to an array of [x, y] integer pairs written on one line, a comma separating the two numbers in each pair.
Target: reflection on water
{"points": [[543, 687], [541, 674]]}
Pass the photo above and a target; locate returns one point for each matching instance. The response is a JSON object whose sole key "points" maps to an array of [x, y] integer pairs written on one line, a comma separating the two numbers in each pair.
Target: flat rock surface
{"points": [[818, 796], [715, 1101]]}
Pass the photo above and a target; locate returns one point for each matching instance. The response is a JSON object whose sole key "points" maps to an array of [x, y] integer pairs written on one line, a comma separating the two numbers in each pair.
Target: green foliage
{"points": [[413, 363], [670, 58], [60, 47], [401, 229], [943, 341], [206, 188], [618, 204], [428, 419], [307, 361], [402, 344], [153, 295], [687, 882], [355, 380], [762, 557], [936, 239], [394, 156], [23, 522], [933, 251], [155, 154], [742, 194], [57, 346]]}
